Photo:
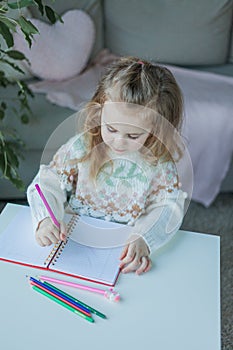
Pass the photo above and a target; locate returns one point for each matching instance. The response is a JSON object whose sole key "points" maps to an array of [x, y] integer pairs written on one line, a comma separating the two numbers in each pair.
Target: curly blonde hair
{"points": [[136, 81]]}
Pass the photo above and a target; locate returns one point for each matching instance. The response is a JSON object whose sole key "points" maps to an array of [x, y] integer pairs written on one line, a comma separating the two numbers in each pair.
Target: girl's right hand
{"points": [[47, 233]]}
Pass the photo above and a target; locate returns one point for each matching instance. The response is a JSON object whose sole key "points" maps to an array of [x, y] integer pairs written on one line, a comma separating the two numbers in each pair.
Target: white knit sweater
{"points": [[128, 190]]}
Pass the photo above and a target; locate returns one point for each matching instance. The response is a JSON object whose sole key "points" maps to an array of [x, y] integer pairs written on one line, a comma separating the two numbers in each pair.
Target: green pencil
{"points": [[90, 319], [98, 313]]}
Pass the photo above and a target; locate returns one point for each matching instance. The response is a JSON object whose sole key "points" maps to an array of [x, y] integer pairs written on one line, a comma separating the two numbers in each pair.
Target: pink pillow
{"points": [[62, 50]]}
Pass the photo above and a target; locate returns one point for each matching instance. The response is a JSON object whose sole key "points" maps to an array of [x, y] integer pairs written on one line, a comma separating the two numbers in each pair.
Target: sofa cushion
{"points": [[175, 32], [61, 50], [92, 7], [222, 69]]}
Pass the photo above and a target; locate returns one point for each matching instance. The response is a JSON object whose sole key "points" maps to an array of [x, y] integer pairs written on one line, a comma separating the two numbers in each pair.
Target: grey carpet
{"points": [[217, 220]]}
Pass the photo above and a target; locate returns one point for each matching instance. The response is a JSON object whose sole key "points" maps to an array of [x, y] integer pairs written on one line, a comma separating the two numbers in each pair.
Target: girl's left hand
{"points": [[135, 256]]}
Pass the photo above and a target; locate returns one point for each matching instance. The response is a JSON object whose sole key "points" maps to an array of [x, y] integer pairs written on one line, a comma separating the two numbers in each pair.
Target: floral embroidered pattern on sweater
{"points": [[128, 189], [124, 186], [119, 191]]}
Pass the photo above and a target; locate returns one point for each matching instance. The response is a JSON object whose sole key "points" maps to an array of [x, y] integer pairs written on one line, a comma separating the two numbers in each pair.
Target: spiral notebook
{"points": [[79, 257]]}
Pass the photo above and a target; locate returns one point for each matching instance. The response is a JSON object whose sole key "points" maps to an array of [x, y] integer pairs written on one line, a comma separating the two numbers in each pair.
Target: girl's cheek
{"points": [[105, 137]]}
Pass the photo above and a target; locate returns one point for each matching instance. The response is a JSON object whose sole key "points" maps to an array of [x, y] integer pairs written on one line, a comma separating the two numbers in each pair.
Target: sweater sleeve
{"points": [[56, 180], [163, 215]]}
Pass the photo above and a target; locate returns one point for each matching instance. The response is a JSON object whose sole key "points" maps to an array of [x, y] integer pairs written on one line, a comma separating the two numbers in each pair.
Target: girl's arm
{"points": [[51, 187], [165, 210], [55, 180], [161, 220], [158, 224], [152, 230]]}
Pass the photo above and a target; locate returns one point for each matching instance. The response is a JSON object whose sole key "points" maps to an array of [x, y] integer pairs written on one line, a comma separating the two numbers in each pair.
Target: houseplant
{"points": [[11, 146]]}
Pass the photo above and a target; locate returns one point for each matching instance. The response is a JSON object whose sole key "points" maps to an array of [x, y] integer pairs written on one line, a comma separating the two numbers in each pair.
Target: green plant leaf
{"points": [[9, 22], [2, 74], [3, 10], [24, 88], [18, 183], [13, 65], [3, 105], [2, 162], [27, 26], [19, 4], [40, 6], [51, 15], [2, 114], [4, 82], [24, 118], [2, 165], [12, 175], [11, 145], [9, 159], [12, 157], [59, 18], [6, 34], [16, 55]]}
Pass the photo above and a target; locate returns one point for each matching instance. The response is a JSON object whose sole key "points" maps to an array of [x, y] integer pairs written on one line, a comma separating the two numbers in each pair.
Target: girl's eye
{"points": [[133, 137], [110, 129]]}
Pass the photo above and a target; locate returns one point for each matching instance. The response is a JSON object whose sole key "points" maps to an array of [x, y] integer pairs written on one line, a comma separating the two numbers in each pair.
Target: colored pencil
{"points": [[47, 205], [91, 309], [109, 294], [60, 296], [90, 319]]}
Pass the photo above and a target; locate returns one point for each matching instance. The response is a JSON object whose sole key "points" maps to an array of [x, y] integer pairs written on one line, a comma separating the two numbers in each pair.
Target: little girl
{"points": [[121, 167]]}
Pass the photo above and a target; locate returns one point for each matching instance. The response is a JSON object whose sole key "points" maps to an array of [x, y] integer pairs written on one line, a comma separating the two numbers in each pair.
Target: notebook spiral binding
{"points": [[58, 247]]}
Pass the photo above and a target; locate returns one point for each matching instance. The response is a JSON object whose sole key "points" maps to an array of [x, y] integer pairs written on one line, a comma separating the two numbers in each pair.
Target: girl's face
{"points": [[124, 129]]}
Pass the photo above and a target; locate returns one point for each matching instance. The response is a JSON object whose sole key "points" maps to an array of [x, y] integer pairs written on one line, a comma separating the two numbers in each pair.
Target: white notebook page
{"points": [[18, 244], [99, 233], [90, 251], [97, 264], [17, 240]]}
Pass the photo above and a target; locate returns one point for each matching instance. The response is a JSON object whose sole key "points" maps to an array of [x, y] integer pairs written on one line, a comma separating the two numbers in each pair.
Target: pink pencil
{"points": [[47, 205], [109, 294]]}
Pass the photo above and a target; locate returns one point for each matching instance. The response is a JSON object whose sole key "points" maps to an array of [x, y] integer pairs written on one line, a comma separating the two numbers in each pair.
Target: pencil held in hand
{"points": [[47, 205], [46, 233]]}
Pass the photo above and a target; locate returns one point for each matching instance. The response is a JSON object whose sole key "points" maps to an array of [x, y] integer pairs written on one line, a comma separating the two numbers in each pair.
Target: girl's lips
{"points": [[119, 150]]}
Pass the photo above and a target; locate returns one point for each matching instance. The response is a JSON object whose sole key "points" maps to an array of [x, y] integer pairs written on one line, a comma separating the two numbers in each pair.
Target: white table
{"points": [[174, 306]]}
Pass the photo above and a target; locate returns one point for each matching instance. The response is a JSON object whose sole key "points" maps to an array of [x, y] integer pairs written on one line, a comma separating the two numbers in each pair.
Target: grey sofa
{"points": [[192, 34]]}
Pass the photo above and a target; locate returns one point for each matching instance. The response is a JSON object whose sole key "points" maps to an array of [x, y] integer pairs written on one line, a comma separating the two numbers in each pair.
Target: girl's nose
{"points": [[120, 140]]}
